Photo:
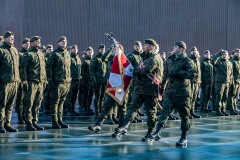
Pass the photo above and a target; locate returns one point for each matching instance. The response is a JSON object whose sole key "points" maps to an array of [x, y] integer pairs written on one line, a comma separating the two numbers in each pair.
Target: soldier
{"points": [[59, 78], [223, 75], [46, 92], [145, 90], [196, 81], [9, 74], [163, 56], [76, 75], [235, 84], [1, 40], [178, 92], [87, 88], [98, 69], [207, 81], [22, 88], [34, 73], [43, 50]]}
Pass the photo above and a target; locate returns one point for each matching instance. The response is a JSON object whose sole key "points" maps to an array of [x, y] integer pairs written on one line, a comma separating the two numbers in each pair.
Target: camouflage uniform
{"points": [[9, 79], [207, 80]]}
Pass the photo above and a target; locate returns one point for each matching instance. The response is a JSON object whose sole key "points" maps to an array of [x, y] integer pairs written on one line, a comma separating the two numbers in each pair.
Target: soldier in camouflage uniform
{"points": [[87, 88], [9, 79], [207, 81], [76, 75], [235, 84], [59, 78], [178, 92], [22, 88], [223, 76], [145, 90], [98, 69], [196, 81]]}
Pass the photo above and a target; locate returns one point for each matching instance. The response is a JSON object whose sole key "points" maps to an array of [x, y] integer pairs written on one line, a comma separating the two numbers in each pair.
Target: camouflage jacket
{"points": [[206, 71], [85, 71], [9, 64], [98, 69], [34, 66], [21, 61], [58, 66], [134, 58], [75, 67], [236, 69], [107, 57], [166, 65], [179, 73], [223, 69], [152, 64], [196, 63]]}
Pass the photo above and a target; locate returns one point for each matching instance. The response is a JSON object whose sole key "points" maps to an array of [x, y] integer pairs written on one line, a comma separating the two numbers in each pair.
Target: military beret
{"points": [[49, 46], [61, 38], [150, 41], [205, 52], [180, 44], [237, 50], [73, 47], [101, 46], [193, 48], [42, 47], [1, 38], [224, 52], [7, 34], [34, 38], [138, 43], [163, 53], [89, 48], [25, 40]]}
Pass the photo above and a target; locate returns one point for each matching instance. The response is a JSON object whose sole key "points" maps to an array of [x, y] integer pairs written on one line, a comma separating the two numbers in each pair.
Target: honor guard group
{"points": [[52, 80]]}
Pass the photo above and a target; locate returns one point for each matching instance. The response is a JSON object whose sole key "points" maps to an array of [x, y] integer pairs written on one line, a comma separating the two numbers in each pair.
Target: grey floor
{"points": [[210, 138]]}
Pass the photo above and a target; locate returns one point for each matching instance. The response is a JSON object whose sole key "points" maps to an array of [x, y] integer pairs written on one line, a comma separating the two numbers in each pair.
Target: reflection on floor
{"points": [[210, 138]]}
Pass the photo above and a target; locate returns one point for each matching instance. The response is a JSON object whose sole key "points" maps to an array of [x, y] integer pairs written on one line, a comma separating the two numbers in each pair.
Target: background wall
{"points": [[206, 24]]}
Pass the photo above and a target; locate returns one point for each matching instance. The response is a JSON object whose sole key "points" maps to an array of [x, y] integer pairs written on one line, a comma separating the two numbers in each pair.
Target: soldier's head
{"points": [[1, 40], [62, 41], [26, 43], [74, 49], [149, 45], [89, 51], [224, 54], [237, 52], [163, 55], [36, 41], [207, 54], [137, 46], [179, 47], [84, 53], [194, 51], [43, 49], [49, 48], [8, 37], [156, 49], [101, 48]]}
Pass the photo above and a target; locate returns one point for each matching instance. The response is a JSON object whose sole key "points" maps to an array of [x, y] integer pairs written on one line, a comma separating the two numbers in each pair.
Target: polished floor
{"points": [[210, 138]]}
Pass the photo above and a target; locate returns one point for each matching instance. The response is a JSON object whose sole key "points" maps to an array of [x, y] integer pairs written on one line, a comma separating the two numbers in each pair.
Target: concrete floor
{"points": [[210, 138]]}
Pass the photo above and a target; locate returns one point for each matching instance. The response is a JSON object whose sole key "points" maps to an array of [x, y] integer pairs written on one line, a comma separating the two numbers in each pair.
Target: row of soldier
{"points": [[181, 78]]}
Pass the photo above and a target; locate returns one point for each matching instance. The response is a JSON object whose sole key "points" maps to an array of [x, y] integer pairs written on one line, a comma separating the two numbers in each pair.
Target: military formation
{"points": [[38, 78]]}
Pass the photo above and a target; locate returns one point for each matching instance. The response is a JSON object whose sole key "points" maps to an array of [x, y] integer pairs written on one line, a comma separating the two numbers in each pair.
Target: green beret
{"points": [[180, 44], [49, 46], [150, 41], [237, 50], [207, 51], [34, 38], [7, 34], [89, 48], [193, 48], [101, 46], [138, 43], [73, 47], [61, 38], [25, 40]]}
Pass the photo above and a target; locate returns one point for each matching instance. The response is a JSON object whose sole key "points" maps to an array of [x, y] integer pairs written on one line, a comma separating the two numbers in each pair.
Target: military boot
{"points": [[110, 120], [63, 125], [20, 119], [140, 113], [55, 124], [30, 127], [219, 113], [183, 140], [171, 117], [148, 136], [194, 115], [34, 122], [138, 120], [2, 129], [233, 112], [9, 128], [157, 134], [97, 127], [123, 128], [115, 120]]}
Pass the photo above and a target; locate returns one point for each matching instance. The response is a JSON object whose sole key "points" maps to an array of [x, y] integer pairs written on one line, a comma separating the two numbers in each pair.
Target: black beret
{"points": [[193, 48], [25, 40], [180, 44], [237, 50], [74, 46], [150, 41], [7, 34], [89, 48], [138, 43], [34, 38], [101, 46], [61, 38], [49, 46], [207, 51], [163, 53]]}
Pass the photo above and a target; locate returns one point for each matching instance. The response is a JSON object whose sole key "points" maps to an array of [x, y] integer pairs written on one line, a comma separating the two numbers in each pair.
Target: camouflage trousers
{"points": [[8, 92], [109, 104], [206, 89], [72, 96], [46, 98], [20, 99], [181, 104], [150, 103], [33, 101], [233, 96], [99, 91], [113, 112], [213, 97], [194, 91], [58, 94], [221, 91], [87, 94]]}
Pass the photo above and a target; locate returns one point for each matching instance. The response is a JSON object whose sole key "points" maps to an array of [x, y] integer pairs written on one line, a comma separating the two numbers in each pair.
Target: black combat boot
{"points": [[55, 124], [225, 113], [194, 115], [63, 125], [30, 127], [123, 128], [20, 119], [219, 113], [148, 136], [34, 122], [2, 129], [115, 120], [233, 112], [9, 128], [171, 117], [97, 127], [110, 120], [140, 113], [138, 120], [157, 134], [183, 140]]}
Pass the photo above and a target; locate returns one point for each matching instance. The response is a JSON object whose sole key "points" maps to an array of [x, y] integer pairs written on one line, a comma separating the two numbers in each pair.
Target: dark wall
{"points": [[207, 24]]}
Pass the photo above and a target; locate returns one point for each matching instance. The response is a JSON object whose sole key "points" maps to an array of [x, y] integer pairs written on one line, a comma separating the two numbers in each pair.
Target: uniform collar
{"points": [[180, 55]]}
